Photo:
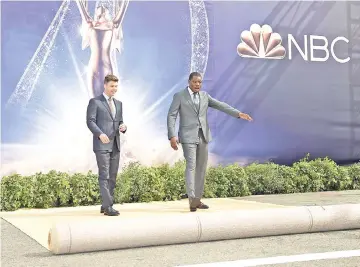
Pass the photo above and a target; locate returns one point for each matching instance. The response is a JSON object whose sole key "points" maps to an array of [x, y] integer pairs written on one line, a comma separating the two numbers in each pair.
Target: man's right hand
{"points": [[174, 142], [104, 138]]}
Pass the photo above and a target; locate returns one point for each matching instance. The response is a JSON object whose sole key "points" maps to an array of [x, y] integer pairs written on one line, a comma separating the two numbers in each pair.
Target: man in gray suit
{"points": [[194, 133], [104, 118]]}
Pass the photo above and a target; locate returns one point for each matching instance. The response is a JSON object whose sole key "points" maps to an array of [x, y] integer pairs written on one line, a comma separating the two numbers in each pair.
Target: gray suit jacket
{"points": [[100, 121], [191, 119]]}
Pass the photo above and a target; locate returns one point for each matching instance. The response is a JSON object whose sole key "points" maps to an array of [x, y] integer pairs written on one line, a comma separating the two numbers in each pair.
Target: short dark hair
{"points": [[110, 78], [194, 74]]}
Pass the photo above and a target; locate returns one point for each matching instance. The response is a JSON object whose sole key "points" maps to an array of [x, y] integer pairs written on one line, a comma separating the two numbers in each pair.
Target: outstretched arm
{"points": [[82, 5], [216, 104], [172, 116], [213, 103], [121, 6]]}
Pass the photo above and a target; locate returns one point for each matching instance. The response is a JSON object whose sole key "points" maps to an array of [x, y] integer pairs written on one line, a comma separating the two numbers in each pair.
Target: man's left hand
{"points": [[245, 116], [122, 128]]}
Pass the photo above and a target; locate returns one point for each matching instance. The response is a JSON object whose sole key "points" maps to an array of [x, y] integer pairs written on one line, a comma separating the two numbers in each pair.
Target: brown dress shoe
{"points": [[102, 209], [194, 203], [202, 206]]}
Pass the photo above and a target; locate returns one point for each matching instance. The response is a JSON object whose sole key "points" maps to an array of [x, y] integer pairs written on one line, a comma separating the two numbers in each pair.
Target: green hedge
{"points": [[137, 183]]}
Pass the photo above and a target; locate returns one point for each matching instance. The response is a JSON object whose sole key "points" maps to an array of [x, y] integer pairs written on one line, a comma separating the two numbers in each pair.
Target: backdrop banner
{"points": [[293, 66]]}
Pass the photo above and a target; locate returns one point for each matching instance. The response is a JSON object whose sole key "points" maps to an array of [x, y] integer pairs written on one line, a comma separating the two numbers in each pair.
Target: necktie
{"points": [[111, 105], [197, 101]]}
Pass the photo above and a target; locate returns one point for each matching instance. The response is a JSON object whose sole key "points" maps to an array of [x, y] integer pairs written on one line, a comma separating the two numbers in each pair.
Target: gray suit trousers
{"points": [[108, 164], [196, 156]]}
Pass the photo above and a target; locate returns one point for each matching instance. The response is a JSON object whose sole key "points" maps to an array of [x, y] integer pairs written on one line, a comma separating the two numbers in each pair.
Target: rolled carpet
{"points": [[118, 233]]}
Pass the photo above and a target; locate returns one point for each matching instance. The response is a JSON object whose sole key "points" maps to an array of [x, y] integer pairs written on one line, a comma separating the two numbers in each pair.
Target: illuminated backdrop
{"points": [[305, 100]]}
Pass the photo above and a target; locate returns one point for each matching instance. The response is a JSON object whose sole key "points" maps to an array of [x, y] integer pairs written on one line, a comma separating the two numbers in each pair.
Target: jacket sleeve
{"points": [[172, 115], [121, 116], [91, 115], [216, 104]]}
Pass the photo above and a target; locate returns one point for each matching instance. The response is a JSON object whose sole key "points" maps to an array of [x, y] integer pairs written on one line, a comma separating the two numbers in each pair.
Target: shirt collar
{"points": [[190, 92], [106, 97]]}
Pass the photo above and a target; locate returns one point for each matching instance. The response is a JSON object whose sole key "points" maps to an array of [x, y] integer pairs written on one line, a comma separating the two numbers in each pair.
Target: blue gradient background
{"points": [[298, 107]]}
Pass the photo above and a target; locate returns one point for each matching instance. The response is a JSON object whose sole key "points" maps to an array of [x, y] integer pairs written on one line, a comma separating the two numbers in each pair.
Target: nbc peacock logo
{"points": [[261, 42]]}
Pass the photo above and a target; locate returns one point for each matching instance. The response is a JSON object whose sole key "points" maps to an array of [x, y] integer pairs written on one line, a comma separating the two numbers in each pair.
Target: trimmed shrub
{"points": [[270, 178], [354, 175], [84, 189], [321, 175], [174, 181], [138, 183], [228, 181]]}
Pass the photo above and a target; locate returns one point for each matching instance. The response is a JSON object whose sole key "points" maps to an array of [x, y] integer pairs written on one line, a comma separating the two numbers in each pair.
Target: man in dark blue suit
{"points": [[104, 118]]}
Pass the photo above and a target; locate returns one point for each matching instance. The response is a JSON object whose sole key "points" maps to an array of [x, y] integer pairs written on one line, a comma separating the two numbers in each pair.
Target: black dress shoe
{"points": [[115, 210], [111, 212]]}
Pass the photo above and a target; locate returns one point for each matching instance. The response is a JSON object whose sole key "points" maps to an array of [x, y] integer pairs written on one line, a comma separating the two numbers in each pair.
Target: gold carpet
{"points": [[37, 222]]}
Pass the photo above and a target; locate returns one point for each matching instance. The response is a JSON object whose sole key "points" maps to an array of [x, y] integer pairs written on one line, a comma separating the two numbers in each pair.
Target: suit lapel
{"points": [[190, 101], [116, 108], [202, 101], [106, 104]]}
